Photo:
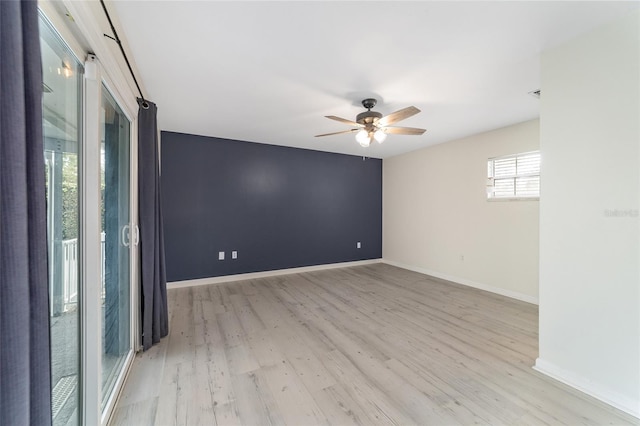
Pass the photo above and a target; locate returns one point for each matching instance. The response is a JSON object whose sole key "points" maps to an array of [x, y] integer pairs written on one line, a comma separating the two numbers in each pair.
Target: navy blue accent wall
{"points": [[279, 207]]}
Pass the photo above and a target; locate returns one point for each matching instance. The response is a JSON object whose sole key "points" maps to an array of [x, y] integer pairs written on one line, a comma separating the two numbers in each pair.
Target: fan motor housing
{"points": [[368, 117]]}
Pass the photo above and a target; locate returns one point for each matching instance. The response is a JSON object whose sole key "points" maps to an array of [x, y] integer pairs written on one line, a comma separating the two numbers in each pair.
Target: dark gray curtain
{"points": [[153, 300], [25, 371]]}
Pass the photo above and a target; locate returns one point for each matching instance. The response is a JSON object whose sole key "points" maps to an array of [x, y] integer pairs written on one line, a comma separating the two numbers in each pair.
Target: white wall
{"points": [[589, 257], [435, 210]]}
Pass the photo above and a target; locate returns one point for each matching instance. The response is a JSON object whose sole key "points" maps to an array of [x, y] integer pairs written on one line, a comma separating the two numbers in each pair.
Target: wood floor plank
{"points": [[146, 377], [200, 389], [459, 407], [311, 371], [295, 403], [248, 318], [256, 405], [339, 407], [365, 345], [140, 413], [375, 402], [265, 348]]}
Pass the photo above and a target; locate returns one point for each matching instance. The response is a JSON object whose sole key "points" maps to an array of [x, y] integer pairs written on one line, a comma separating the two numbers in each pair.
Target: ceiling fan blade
{"points": [[338, 133], [394, 117], [404, 130], [344, 120]]}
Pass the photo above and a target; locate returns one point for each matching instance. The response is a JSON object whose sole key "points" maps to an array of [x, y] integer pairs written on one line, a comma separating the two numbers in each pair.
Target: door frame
{"points": [[78, 25], [133, 253]]}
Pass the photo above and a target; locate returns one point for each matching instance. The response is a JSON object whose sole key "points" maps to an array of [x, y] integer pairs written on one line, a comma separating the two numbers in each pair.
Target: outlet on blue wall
{"points": [[278, 207]]}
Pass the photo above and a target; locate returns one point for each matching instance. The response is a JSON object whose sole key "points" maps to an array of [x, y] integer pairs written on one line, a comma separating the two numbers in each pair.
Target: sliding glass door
{"points": [[62, 95], [87, 151], [116, 238]]}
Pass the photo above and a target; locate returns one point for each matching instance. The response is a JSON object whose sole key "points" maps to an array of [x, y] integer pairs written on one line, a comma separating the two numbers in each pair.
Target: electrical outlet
{"points": [[358, 244], [220, 255], [234, 254]]}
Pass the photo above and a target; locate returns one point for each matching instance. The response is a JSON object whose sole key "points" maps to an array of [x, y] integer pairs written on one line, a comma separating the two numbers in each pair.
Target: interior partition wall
{"points": [[234, 207], [89, 151]]}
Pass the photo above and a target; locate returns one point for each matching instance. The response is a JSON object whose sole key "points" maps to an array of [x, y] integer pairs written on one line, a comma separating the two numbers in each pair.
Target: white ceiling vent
{"points": [[535, 93]]}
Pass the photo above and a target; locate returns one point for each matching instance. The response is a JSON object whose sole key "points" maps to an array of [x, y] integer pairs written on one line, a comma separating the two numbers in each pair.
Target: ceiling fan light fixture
{"points": [[372, 126], [363, 138], [380, 135]]}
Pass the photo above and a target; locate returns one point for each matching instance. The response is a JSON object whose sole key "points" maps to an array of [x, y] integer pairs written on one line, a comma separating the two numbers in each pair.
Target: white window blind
{"points": [[514, 176]]}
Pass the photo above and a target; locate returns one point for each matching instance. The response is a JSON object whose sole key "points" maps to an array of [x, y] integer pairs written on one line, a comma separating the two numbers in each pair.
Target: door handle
{"points": [[136, 236], [125, 232]]}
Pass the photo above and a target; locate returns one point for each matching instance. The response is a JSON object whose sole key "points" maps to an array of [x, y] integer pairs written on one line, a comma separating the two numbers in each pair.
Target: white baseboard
{"points": [[584, 385], [254, 275], [501, 291]]}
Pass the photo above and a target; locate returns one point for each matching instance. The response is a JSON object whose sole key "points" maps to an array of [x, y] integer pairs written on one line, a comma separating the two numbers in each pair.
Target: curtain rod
{"points": [[145, 105]]}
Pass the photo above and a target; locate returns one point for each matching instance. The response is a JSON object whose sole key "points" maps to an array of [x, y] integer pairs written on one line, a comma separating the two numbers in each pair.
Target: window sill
{"points": [[514, 199]]}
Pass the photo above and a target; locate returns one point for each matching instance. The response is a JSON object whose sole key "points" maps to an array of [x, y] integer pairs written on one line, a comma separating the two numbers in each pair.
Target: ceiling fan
{"points": [[371, 125]]}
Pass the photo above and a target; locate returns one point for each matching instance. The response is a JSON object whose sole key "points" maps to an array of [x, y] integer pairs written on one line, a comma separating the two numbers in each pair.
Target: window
{"points": [[514, 176]]}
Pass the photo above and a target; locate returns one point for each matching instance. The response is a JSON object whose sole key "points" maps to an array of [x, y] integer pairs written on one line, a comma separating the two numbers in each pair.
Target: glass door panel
{"points": [[89, 271], [61, 103], [116, 241]]}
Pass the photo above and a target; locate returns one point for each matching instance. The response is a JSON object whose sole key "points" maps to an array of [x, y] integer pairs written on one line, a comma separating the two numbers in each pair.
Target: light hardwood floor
{"points": [[363, 345]]}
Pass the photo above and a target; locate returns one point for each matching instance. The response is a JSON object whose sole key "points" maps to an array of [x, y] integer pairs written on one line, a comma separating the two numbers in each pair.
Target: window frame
{"points": [[491, 177]]}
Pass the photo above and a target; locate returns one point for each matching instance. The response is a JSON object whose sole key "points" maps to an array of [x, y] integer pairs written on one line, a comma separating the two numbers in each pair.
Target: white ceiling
{"points": [[270, 71]]}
